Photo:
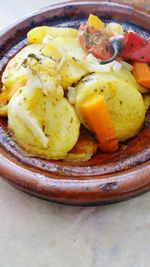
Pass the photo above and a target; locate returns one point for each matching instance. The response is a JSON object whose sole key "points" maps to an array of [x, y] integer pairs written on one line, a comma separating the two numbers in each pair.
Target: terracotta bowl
{"points": [[106, 178]]}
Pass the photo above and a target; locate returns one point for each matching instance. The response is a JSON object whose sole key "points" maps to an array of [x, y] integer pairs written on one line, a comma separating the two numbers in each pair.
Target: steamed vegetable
{"points": [[15, 68], [42, 72], [71, 72], [126, 75], [98, 43], [141, 72], [96, 114], [95, 38], [46, 130], [52, 51], [84, 149], [135, 47], [71, 47], [124, 102], [36, 35], [70, 55], [109, 42]]}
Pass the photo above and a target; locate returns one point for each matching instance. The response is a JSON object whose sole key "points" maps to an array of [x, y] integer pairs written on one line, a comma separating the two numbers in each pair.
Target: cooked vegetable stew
{"points": [[72, 93]]}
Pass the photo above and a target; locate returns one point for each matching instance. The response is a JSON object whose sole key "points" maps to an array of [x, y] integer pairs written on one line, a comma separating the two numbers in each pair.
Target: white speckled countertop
{"points": [[37, 233]]}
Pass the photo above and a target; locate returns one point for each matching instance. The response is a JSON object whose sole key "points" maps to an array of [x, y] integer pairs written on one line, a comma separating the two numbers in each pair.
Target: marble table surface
{"points": [[37, 233]]}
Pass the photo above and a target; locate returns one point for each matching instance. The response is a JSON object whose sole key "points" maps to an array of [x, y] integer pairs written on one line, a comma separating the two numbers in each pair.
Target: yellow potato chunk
{"points": [[69, 50], [14, 69], [127, 76], [71, 47], [37, 34], [50, 50], [46, 130], [125, 103], [71, 72]]}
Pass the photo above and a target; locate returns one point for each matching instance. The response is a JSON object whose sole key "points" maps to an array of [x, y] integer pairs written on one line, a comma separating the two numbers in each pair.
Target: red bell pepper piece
{"points": [[135, 48]]}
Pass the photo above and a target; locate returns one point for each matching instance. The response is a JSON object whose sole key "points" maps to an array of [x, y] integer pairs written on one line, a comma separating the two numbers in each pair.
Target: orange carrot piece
{"points": [[141, 72], [96, 114], [6, 95]]}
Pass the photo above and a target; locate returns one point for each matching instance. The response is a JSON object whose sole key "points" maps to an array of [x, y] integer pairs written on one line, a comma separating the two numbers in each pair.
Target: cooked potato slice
{"points": [[37, 34], [125, 103], [50, 50], [47, 130], [68, 52], [71, 72], [84, 149], [71, 46], [63, 47], [127, 76], [72, 69], [14, 69]]}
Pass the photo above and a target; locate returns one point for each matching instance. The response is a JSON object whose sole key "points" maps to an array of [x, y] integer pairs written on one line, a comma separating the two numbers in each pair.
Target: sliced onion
{"points": [[94, 65], [71, 95], [117, 66], [31, 122], [46, 39]]}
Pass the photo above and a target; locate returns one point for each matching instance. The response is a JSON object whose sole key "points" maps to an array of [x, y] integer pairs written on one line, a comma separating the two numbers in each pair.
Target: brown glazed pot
{"points": [[106, 178]]}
